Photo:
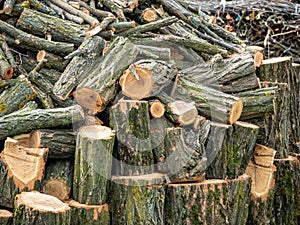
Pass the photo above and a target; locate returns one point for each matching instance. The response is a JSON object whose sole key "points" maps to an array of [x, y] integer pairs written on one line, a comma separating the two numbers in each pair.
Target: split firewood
{"points": [[35, 208], [146, 78], [194, 201], [131, 121], [89, 214], [93, 164], [58, 178], [147, 208], [229, 149], [81, 63], [6, 217], [214, 104], [60, 142], [24, 122]]}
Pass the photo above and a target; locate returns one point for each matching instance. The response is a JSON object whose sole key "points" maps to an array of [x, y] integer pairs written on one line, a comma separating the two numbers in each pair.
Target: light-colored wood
{"points": [[24, 165], [149, 15], [157, 109], [263, 155]]}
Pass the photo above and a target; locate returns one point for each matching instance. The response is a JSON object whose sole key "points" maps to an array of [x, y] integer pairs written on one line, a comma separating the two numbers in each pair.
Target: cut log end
{"points": [[187, 112], [5, 214], [35, 139], [236, 111], [258, 58], [157, 109], [41, 202], [57, 188], [8, 74], [263, 155], [149, 15], [89, 99], [137, 82], [40, 55], [96, 132]]}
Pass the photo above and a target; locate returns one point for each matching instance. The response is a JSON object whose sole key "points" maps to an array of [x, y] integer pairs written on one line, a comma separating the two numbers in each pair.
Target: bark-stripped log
{"points": [[138, 199], [100, 86], [89, 214], [231, 75], [131, 121], [24, 122], [6, 217], [58, 178], [93, 162], [60, 142], [216, 105], [228, 157], [42, 24], [79, 66], [35, 208], [208, 202]]}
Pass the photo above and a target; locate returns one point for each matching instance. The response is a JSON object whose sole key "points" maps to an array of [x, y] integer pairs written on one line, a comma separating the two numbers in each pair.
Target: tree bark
{"points": [[76, 71], [138, 199], [93, 162], [60, 142], [231, 75], [287, 191], [228, 157], [131, 121], [34, 208], [89, 214], [24, 122], [60, 30], [100, 86], [58, 178], [208, 202], [6, 70], [211, 103], [6, 217]]}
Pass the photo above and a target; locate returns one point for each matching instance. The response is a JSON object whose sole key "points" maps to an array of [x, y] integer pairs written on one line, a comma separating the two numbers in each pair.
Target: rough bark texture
{"points": [[138, 199], [60, 142], [208, 202], [93, 162], [236, 148], [58, 178], [24, 122], [231, 75], [131, 121], [35, 208], [287, 191], [89, 214]]}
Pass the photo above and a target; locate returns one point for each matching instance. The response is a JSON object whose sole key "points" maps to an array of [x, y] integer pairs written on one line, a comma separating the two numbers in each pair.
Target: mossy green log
{"points": [[93, 163]]}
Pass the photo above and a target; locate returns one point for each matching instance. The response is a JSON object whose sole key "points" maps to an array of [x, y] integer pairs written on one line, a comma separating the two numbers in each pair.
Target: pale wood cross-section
{"points": [[263, 155]]}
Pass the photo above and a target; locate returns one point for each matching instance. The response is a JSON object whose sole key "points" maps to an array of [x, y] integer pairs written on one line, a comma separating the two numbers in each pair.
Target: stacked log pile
{"points": [[146, 112]]}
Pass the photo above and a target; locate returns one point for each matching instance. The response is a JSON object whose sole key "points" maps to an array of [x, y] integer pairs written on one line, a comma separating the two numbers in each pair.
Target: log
{"points": [[6, 217], [51, 60], [148, 15], [93, 162], [6, 70], [100, 86], [146, 78], [89, 214], [257, 103], [156, 108], [35, 42], [24, 122], [60, 142], [177, 111], [8, 6], [131, 121], [287, 191], [138, 199], [79, 66], [58, 178], [261, 209], [16, 97], [263, 155], [36, 208], [208, 202], [216, 105], [41, 24], [231, 75], [228, 155]]}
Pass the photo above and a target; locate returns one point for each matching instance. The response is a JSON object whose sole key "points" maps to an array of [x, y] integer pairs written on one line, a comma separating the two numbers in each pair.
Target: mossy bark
{"points": [[208, 202], [138, 200], [93, 163], [228, 157], [89, 214], [133, 153]]}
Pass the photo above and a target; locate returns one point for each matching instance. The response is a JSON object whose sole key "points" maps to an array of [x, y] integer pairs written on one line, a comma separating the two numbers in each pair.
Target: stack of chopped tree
{"points": [[115, 112]]}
